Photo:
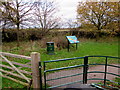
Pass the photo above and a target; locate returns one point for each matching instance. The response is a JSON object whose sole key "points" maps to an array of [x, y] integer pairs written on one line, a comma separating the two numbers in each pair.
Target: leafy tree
{"points": [[100, 14]]}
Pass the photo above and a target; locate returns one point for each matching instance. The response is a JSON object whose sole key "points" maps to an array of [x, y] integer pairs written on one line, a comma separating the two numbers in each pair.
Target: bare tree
{"points": [[72, 24], [16, 13], [44, 14]]}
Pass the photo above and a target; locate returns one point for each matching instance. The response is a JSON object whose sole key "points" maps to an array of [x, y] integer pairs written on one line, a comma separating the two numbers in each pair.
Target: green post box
{"points": [[50, 48]]}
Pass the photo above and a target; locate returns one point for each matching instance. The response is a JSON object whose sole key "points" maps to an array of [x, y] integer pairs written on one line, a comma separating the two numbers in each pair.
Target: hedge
{"points": [[35, 34]]}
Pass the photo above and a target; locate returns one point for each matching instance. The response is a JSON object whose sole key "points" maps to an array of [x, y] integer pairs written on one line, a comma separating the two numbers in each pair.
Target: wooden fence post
{"points": [[35, 69]]}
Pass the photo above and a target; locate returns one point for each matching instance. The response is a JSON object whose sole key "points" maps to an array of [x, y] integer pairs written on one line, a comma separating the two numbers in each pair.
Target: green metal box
{"points": [[50, 48]]}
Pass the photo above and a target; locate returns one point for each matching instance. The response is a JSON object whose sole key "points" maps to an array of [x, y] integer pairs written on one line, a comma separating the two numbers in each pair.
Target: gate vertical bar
{"points": [[40, 71], [105, 72], [68, 46], [76, 46], [44, 75], [85, 68]]}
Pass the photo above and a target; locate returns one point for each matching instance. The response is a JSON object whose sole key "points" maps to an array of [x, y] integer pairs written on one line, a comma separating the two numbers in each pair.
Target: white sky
{"points": [[67, 8]]}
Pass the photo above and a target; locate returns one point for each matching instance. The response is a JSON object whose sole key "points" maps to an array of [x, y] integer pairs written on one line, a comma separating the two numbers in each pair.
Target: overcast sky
{"points": [[67, 8]]}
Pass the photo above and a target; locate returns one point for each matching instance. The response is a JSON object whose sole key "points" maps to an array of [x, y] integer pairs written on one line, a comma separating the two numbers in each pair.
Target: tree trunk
{"points": [[99, 28], [18, 40], [18, 24], [3, 30]]}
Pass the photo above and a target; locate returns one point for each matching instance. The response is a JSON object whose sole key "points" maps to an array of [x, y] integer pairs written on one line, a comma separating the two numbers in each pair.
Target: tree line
{"points": [[18, 14], [42, 15]]}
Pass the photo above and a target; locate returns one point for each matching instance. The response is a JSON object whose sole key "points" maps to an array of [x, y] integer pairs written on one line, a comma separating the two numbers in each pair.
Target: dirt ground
{"points": [[80, 77]]}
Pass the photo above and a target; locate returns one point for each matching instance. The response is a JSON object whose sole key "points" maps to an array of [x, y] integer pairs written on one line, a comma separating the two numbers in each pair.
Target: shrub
{"points": [[60, 42], [9, 36], [31, 34]]}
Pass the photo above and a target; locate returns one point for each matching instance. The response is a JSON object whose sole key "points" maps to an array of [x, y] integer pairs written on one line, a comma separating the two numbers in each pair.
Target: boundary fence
{"points": [[32, 75]]}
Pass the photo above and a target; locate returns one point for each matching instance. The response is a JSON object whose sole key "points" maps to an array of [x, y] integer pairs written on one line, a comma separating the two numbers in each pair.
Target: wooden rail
{"points": [[15, 55], [9, 69], [23, 71], [19, 64], [26, 84]]}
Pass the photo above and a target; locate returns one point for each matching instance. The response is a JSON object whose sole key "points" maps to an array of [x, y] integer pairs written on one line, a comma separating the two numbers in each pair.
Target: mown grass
{"points": [[86, 47]]}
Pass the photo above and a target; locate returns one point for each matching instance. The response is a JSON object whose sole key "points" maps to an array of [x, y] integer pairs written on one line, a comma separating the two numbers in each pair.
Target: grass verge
{"points": [[85, 47]]}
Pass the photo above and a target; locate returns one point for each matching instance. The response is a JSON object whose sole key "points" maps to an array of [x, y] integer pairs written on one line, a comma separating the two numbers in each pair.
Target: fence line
{"points": [[34, 75]]}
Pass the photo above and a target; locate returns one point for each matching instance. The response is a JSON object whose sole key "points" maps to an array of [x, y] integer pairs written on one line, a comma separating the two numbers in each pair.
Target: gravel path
{"points": [[80, 77]]}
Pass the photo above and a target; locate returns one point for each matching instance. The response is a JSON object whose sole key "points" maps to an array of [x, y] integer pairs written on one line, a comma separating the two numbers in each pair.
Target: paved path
{"points": [[80, 77]]}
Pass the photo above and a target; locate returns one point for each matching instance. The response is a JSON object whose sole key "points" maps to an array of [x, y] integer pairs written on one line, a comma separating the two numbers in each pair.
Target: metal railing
{"points": [[85, 72]]}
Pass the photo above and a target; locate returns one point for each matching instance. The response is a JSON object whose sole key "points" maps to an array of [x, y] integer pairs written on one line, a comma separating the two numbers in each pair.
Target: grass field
{"points": [[104, 46]]}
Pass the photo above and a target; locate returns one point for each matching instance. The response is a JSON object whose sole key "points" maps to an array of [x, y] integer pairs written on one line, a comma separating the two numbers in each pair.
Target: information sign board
{"points": [[72, 39]]}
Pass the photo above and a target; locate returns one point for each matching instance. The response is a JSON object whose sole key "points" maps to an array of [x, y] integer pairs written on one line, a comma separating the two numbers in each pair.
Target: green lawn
{"points": [[85, 48]]}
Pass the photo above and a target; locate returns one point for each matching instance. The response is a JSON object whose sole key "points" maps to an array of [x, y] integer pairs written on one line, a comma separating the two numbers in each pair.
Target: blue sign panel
{"points": [[72, 39]]}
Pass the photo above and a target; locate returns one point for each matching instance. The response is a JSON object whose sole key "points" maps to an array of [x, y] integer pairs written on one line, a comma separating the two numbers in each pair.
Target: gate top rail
{"points": [[63, 59], [15, 55], [104, 56], [78, 58]]}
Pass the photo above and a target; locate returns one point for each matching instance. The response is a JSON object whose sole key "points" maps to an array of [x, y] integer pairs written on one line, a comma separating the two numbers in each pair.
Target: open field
{"points": [[104, 46]]}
